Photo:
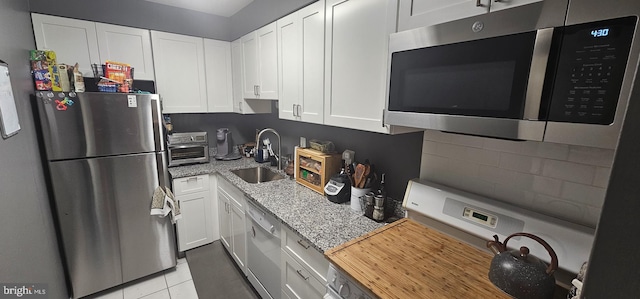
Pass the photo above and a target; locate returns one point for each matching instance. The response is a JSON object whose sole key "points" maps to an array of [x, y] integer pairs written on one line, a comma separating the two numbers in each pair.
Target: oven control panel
{"points": [[591, 67]]}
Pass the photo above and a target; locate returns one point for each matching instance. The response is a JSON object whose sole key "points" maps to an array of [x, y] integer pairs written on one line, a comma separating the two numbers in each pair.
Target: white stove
{"points": [[474, 220]]}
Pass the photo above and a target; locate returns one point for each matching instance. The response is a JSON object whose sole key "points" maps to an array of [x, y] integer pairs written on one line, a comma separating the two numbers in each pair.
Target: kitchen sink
{"points": [[256, 175]]}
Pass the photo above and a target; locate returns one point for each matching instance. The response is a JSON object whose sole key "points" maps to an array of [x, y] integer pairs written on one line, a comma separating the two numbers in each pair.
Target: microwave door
{"points": [[476, 87]]}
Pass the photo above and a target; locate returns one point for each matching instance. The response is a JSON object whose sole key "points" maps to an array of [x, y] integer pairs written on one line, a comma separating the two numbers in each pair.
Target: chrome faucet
{"points": [[279, 144]]}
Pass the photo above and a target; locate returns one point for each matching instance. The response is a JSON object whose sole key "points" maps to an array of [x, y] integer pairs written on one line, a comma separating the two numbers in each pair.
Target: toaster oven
{"points": [[188, 148]]}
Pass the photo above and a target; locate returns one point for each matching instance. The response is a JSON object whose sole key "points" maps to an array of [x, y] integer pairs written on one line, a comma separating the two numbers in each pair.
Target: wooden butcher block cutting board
{"points": [[408, 260]]}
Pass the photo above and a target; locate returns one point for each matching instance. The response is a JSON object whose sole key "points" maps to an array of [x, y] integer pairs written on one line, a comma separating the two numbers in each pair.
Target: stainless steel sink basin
{"points": [[256, 175]]}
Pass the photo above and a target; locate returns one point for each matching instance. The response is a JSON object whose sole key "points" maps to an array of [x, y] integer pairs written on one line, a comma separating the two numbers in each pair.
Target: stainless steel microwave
{"points": [[534, 72]]}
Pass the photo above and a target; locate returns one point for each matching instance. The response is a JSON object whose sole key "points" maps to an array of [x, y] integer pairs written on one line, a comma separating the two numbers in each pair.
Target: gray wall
{"points": [[396, 155], [140, 14], [29, 252], [262, 12]]}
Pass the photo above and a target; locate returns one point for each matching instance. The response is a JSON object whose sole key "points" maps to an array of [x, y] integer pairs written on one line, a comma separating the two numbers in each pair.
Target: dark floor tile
{"points": [[216, 275]]}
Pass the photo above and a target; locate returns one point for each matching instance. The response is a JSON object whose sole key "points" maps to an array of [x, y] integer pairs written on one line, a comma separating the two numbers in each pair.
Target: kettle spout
{"points": [[496, 246]]}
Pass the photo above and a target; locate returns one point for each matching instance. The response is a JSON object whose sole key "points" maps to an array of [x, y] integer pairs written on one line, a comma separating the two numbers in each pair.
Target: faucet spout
{"points": [[279, 144]]}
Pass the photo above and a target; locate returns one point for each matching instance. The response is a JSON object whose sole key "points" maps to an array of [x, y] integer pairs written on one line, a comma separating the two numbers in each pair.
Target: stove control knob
{"points": [[344, 290]]}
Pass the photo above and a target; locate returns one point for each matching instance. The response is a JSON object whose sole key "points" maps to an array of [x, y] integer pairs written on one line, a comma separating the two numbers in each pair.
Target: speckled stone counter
{"points": [[323, 223]]}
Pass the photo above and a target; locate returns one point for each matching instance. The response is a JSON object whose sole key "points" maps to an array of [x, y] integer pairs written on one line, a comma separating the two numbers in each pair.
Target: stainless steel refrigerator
{"points": [[106, 156]]}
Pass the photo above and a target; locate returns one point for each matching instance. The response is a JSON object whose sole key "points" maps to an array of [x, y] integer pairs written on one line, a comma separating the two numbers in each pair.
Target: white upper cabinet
{"points": [[218, 73], [301, 64], [72, 40], [128, 45], [240, 104], [420, 13], [180, 72], [89, 43], [260, 64], [356, 55]]}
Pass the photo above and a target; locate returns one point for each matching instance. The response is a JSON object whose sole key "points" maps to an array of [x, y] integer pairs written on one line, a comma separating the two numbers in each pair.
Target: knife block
{"points": [[314, 168]]}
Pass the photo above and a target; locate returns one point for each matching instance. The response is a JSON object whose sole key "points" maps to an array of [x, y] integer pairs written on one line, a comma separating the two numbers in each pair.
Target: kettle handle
{"points": [[554, 258], [495, 245]]}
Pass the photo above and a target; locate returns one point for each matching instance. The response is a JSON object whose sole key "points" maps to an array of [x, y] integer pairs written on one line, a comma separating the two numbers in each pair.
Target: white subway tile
{"points": [[546, 150], [602, 177], [583, 194], [471, 184], [503, 145], [547, 186], [591, 155], [559, 208], [432, 166], [429, 147], [470, 141], [489, 173], [451, 151], [569, 171], [513, 195], [520, 163], [482, 156], [438, 136]]}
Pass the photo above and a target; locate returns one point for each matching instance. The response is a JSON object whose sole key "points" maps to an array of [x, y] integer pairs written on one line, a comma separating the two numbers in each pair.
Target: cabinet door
{"points": [[356, 55], [311, 103], [294, 278], [72, 40], [180, 72], [194, 227], [267, 62], [240, 104], [127, 45], [218, 73], [239, 237], [249, 45], [501, 4], [224, 214], [289, 66], [419, 13]]}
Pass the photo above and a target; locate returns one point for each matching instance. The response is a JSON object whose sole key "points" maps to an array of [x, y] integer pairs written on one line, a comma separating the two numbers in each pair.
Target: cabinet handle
{"points": [[253, 230], [301, 275], [478, 3], [258, 86], [294, 110], [298, 109], [306, 246]]}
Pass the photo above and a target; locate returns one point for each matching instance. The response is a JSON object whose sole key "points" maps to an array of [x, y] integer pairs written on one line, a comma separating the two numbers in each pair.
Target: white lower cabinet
{"points": [[198, 225], [232, 223], [303, 268]]}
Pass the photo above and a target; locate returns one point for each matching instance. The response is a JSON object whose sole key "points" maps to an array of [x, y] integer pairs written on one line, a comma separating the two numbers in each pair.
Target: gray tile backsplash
{"points": [[563, 181]]}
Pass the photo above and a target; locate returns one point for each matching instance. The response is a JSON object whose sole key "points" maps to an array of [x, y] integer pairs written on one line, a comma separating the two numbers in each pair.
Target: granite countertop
{"points": [[322, 223]]}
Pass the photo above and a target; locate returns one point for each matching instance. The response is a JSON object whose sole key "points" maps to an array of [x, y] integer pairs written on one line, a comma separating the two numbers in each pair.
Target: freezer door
{"points": [[147, 243], [103, 207], [99, 124]]}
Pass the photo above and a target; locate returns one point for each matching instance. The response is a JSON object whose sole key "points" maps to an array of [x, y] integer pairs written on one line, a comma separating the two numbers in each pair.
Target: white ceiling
{"points": [[225, 8]]}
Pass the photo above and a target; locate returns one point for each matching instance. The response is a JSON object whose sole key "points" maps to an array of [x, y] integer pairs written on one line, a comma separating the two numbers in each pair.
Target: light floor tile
{"points": [[145, 287], [180, 274], [182, 260], [164, 294], [116, 294], [185, 290]]}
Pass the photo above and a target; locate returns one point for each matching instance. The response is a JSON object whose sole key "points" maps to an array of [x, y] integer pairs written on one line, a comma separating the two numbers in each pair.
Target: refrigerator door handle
{"points": [[158, 135]]}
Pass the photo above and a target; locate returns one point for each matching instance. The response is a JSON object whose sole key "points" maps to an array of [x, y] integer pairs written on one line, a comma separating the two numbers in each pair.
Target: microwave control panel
{"points": [[591, 66]]}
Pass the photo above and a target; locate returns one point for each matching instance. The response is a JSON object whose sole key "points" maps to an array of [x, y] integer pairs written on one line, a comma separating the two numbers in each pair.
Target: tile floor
{"points": [[170, 284]]}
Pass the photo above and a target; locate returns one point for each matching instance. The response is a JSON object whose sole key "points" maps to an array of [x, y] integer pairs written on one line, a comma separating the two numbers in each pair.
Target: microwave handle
{"points": [[537, 73]]}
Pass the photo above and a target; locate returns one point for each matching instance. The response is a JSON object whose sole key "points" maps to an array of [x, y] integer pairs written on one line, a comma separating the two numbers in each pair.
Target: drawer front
{"points": [[297, 247], [297, 282], [191, 184]]}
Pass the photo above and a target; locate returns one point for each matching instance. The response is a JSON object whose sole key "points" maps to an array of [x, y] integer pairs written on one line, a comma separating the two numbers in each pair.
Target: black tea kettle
{"points": [[519, 274]]}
